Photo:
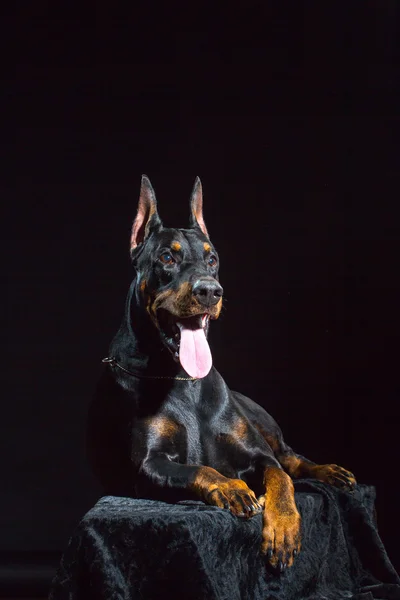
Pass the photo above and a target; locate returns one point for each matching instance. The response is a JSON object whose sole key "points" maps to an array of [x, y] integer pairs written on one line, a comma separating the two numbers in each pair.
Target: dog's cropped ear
{"points": [[147, 219], [196, 207]]}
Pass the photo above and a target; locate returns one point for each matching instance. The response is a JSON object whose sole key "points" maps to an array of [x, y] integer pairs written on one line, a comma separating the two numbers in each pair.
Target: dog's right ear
{"points": [[147, 219]]}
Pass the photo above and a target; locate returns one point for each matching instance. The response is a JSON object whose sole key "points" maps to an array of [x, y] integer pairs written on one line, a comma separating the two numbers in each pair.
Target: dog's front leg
{"points": [[232, 494], [281, 519], [297, 466], [209, 485]]}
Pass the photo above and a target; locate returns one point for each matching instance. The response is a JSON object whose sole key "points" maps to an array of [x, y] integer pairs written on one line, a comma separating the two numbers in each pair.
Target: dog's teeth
{"points": [[176, 355]]}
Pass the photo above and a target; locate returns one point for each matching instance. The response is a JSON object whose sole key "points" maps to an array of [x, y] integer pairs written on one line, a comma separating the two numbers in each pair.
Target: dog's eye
{"points": [[167, 258], [212, 261]]}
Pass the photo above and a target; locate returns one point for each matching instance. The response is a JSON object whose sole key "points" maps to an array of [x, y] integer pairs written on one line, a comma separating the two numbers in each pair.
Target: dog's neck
{"points": [[137, 345]]}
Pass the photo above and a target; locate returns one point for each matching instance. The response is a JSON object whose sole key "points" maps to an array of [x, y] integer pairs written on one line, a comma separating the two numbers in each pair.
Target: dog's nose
{"points": [[207, 291]]}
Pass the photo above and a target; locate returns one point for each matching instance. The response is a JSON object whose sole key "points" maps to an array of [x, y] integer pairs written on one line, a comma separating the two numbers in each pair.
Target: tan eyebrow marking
{"points": [[176, 246], [207, 247]]}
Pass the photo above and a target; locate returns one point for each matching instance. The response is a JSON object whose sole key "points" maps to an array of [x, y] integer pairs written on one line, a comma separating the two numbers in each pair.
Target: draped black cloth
{"points": [[126, 549]]}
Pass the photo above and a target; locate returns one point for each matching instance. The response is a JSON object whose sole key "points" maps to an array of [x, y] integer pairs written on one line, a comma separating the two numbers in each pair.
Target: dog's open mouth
{"points": [[186, 339]]}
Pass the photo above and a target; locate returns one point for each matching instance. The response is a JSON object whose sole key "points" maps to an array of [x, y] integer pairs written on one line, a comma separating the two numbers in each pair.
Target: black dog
{"points": [[164, 424]]}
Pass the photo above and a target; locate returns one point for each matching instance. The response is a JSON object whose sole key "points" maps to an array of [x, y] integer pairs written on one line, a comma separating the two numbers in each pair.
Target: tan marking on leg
{"points": [[233, 494], [333, 474], [206, 481], [281, 520], [292, 465]]}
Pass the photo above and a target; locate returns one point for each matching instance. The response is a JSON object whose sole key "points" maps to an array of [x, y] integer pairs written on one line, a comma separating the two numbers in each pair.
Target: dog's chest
{"points": [[206, 427], [227, 443]]}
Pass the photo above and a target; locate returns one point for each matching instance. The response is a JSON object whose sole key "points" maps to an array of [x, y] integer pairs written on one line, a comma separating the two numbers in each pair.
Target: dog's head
{"points": [[177, 279]]}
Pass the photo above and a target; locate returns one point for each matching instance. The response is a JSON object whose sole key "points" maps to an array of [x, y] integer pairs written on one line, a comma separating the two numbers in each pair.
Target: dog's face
{"points": [[177, 280]]}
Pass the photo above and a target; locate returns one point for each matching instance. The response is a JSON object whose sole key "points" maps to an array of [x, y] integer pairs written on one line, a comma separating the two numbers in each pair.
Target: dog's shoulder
{"points": [[256, 415]]}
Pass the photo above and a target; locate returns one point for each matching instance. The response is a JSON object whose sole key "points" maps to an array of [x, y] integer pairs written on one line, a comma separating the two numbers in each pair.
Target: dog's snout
{"points": [[207, 291]]}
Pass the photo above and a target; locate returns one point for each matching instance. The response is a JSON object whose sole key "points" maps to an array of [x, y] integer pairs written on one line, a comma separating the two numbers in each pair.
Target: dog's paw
{"points": [[335, 475], [281, 538], [236, 496]]}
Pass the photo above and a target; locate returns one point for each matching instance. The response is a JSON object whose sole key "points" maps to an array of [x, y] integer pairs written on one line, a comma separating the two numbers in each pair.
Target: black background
{"points": [[289, 114]]}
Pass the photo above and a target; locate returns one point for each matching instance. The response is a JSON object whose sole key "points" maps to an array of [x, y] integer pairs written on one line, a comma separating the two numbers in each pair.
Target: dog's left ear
{"points": [[196, 207], [147, 219]]}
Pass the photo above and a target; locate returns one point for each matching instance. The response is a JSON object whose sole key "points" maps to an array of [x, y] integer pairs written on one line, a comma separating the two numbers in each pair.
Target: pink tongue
{"points": [[194, 352]]}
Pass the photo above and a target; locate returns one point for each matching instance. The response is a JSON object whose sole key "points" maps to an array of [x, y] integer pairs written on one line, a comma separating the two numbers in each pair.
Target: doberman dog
{"points": [[164, 425]]}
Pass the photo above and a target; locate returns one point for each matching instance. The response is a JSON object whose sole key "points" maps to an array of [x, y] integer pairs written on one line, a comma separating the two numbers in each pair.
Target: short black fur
{"points": [[155, 432]]}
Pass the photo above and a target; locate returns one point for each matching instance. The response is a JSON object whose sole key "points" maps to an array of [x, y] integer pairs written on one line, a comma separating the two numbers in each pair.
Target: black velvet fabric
{"points": [[126, 549]]}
